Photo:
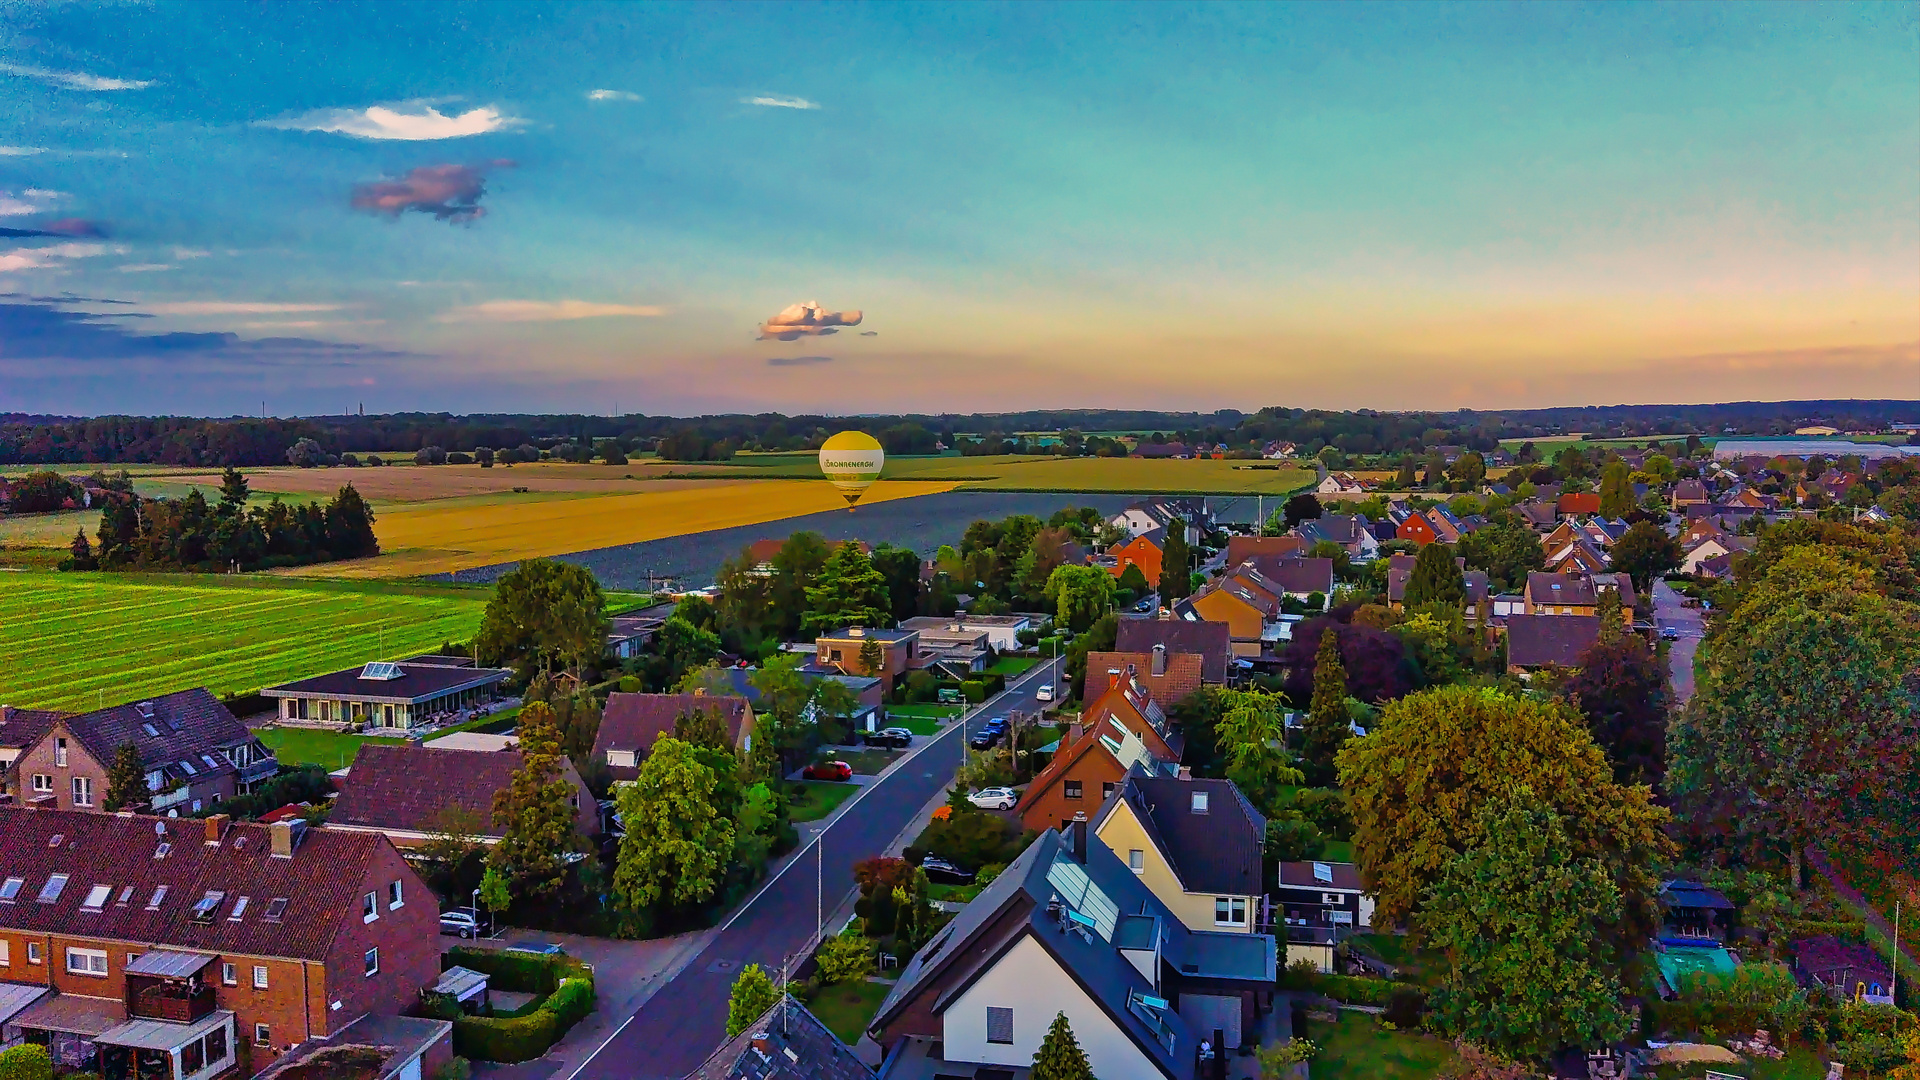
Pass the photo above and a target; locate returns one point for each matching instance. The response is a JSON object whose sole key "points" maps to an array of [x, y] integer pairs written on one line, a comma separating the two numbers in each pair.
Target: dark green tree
{"points": [[1060, 1056], [80, 553], [901, 569], [1616, 490], [796, 566], [535, 812], [1302, 507], [1620, 687], [1506, 548], [1408, 476], [350, 526], [126, 779], [1436, 579], [544, 616], [850, 592], [1326, 729], [233, 492], [1176, 564], [1645, 552], [1469, 469], [1135, 582]]}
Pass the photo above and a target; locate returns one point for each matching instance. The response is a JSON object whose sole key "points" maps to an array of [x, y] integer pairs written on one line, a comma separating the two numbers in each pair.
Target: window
{"points": [[1333, 899], [1000, 1026], [369, 907], [86, 962], [1106, 789], [1200, 802], [204, 908], [239, 909], [10, 889], [394, 898], [83, 791], [372, 965], [6, 959], [262, 1035], [159, 894], [126, 895], [51, 890], [1229, 911], [162, 851], [276, 907], [229, 975], [193, 1058], [33, 952], [1073, 789], [1137, 860], [187, 767], [96, 898], [259, 976], [43, 783], [59, 753], [217, 1045], [620, 759]]}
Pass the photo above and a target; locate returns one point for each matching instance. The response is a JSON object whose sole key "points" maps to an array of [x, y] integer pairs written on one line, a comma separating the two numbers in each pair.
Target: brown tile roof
{"points": [[320, 882], [408, 787], [1568, 590], [634, 721], [21, 728], [1213, 641], [1181, 679], [1538, 640], [786, 1041], [1242, 548], [185, 725], [1297, 575], [1580, 502], [1299, 875]]}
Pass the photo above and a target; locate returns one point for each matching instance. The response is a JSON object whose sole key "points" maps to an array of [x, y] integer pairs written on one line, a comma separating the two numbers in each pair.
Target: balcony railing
{"points": [[164, 799], [1312, 935], [171, 1002]]}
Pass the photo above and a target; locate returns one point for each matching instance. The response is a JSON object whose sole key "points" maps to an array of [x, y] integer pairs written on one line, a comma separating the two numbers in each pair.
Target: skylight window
{"points": [[10, 889], [187, 767], [96, 898], [150, 730], [1323, 873], [381, 670], [161, 852], [276, 908], [51, 890], [58, 839], [1083, 896], [212, 765], [239, 909], [159, 894], [126, 895], [204, 908]]}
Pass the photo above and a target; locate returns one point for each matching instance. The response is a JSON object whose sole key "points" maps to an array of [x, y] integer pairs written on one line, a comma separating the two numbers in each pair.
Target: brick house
{"points": [[1211, 641], [407, 791], [1143, 551], [195, 753], [840, 651], [195, 946], [1119, 729], [631, 723], [1167, 677], [1242, 548]]}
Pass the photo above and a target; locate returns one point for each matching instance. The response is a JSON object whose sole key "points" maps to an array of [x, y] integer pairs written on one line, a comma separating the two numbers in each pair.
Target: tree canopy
{"points": [[1620, 687], [545, 615], [1436, 579], [535, 812], [1645, 551], [849, 592], [1327, 726], [1059, 1056], [678, 841], [1081, 594], [1176, 558]]}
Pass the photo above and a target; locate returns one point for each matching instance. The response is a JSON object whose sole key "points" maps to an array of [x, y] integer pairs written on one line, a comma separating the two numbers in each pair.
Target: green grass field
{"points": [[811, 800], [846, 1008], [78, 641], [1358, 1048]]}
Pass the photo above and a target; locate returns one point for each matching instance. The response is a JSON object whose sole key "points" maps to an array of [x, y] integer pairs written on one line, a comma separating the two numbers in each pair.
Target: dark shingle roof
{"points": [[21, 728], [185, 725], [1218, 851], [1570, 590], [1537, 640], [1297, 575], [417, 682], [1300, 875], [320, 882], [1213, 641], [409, 787], [634, 721], [786, 1042]]}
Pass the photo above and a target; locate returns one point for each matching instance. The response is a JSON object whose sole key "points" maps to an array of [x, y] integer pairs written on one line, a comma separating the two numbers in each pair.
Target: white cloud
{"points": [[53, 255], [411, 121], [74, 80], [546, 311], [190, 253], [781, 102], [30, 201], [21, 151], [228, 307], [612, 95], [143, 268]]}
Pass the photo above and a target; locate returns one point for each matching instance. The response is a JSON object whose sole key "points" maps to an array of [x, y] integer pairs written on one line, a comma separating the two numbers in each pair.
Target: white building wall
{"points": [[1029, 981]]}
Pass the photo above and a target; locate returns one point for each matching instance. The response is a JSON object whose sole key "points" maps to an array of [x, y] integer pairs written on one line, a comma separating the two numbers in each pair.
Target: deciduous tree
{"points": [[1080, 594], [678, 842], [753, 994], [1506, 548], [126, 779], [1620, 687], [1616, 490], [544, 616], [1302, 507], [1252, 737], [1645, 551]]}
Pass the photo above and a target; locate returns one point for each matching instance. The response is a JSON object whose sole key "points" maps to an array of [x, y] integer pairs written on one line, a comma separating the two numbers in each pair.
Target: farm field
{"points": [[79, 641], [458, 534], [1043, 473], [422, 483]]}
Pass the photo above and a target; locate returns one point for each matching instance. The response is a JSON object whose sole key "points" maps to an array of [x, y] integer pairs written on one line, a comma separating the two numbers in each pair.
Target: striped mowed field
{"points": [[77, 641]]}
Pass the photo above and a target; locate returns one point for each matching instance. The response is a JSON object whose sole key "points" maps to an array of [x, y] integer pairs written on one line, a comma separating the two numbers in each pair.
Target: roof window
{"points": [[150, 730], [51, 890], [187, 767], [381, 670], [161, 851], [96, 898], [126, 895], [239, 910], [159, 894], [276, 908], [1322, 872], [1200, 802], [58, 839], [204, 908], [211, 764], [10, 889]]}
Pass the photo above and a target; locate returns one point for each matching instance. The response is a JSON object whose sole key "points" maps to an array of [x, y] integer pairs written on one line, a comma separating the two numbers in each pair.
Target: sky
{"points": [[219, 209]]}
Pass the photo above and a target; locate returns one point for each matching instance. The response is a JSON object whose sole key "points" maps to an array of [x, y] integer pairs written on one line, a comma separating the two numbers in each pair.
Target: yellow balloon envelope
{"points": [[852, 461]]}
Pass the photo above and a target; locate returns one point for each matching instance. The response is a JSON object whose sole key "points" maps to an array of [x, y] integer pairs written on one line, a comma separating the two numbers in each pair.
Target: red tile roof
{"points": [[1181, 679], [410, 787]]}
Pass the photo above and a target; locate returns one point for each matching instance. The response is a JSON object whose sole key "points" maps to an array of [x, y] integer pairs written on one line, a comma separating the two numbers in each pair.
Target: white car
{"points": [[1045, 693], [994, 798]]}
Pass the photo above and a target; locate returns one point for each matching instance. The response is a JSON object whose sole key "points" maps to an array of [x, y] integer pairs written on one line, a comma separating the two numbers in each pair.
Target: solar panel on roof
{"points": [[381, 669]]}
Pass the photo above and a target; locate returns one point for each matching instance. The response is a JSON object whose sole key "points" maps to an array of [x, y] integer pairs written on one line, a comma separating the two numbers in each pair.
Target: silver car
{"points": [[994, 798]]}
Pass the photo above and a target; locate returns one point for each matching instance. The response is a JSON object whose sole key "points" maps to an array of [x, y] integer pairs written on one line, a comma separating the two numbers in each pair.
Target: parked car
{"points": [[460, 923], [1144, 605], [1670, 633], [988, 735], [893, 736], [941, 872], [828, 770], [539, 948], [994, 798], [1045, 693]]}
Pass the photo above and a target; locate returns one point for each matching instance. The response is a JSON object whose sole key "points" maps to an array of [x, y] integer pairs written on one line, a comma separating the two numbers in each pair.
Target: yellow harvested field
{"points": [[419, 483], [459, 534]]}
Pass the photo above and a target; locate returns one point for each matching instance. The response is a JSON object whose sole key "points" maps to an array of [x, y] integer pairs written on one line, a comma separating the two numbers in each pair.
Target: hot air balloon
{"points": [[851, 461]]}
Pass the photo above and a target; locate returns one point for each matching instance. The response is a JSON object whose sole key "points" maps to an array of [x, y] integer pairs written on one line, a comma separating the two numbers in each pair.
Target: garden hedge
{"points": [[1351, 989], [566, 995]]}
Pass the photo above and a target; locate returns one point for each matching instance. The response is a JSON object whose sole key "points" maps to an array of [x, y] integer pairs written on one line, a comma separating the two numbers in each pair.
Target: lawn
{"points": [[919, 725], [1014, 665], [333, 750], [811, 800], [1358, 1048], [847, 1007], [1797, 1065], [79, 641], [957, 894]]}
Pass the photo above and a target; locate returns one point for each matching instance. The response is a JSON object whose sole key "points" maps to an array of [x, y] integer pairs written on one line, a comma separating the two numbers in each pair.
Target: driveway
{"points": [[667, 1035], [1671, 613]]}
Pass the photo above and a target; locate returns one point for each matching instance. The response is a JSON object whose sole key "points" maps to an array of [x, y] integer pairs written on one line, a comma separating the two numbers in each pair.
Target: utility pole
{"points": [[1894, 992], [820, 885]]}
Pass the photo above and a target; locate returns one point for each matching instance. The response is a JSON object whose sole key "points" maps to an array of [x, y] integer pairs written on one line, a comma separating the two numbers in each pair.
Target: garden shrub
{"points": [[522, 1038], [28, 1061], [844, 959], [566, 995], [1405, 1007], [974, 690]]}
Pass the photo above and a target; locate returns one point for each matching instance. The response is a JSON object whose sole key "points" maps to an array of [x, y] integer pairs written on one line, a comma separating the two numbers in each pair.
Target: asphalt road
{"points": [[1671, 613], [686, 1019]]}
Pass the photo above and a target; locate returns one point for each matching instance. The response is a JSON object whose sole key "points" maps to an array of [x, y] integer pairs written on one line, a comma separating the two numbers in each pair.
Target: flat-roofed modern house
{"points": [[840, 651], [1067, 928], [384, 694], [1320, 902], [187, 949], [1003, 631]]}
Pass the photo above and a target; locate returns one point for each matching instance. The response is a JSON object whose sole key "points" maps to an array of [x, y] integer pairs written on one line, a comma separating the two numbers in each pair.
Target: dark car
{"points": [[893, 736], [988, 735], [942, 872], [1670, 633], [828, 770]]}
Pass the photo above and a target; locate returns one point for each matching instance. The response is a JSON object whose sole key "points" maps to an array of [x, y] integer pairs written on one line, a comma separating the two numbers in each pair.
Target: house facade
{"points": [[1143, 551], [408, 694], [1320, 903], [841, 651], [198, 946], [1196, 843]]}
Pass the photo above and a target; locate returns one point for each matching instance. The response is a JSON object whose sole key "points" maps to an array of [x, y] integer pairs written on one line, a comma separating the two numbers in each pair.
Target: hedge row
{"points": [[519, 972], [567, 996], [1352, 989], [988, 684]]}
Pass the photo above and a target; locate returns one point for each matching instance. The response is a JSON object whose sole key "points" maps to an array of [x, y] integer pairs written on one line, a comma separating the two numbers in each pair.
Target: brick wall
{"points": [[1052, 807], [408, 938], [43, 759]]}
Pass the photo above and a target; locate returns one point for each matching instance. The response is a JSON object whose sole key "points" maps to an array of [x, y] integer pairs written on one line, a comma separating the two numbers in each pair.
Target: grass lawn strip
{"points": [[1014, 665], [865, 762], [847, 1007], [1358, 1048], [811, 800]]}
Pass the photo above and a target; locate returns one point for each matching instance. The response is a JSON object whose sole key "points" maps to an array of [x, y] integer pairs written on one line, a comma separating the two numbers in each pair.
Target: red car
{"points": [[828, 770]]}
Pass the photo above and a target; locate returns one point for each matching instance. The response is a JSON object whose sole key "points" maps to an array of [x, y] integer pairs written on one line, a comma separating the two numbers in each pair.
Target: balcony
{"points": [[261, 769], [164, 799], [1304, 934], [176, 1003]]}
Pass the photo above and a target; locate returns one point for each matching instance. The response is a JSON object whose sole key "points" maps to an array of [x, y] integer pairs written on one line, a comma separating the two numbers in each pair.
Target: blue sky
{"points": [[507, 207]]}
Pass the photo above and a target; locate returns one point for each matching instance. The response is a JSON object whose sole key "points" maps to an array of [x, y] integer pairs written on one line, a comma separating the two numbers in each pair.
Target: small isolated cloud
{"points": [[449, 192], [73, 80], [776, 102], [29, 201], [411, 121], [797, 361], [869, 333], [53, 255], [231, 307], [546, 311], [21, 151], [183, 254], [145, 268], [806, 320], [612, 95]]}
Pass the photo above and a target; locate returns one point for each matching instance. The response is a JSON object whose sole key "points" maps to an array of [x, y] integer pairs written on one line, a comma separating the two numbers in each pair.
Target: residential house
{"points": [[1242, 548], [1143, 550], [870, 704], [629, 635], [193, 750], [1698, 529], [381, 1047], [1450, 453], [1300, 578], [1341, 483], [841, 651], [1400, 571], [954, 650], [1548, 593], [1688, 493], [1196, 843], [412, 794], [1350, 531], [1241, 600], [631, 723], [1162, 450], [172, 941], [408, 694], [1576, 556], [1722, 544], [1120, 728], [1126, 699], [1278, 451], [19, 729], [1537, 641], [1435, 523], [1541, 515], [1003, 631], [1577, 503], [1066, 928], [1719, 567], [1150, 514], [1211, 641], [1320, 903], [1167, 677], [786, 1041]]}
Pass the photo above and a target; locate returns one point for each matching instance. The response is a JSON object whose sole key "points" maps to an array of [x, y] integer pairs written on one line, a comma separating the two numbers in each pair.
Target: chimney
{"points": [[1078, 837], [1113, 677], [760, 1044], [1186, 773], [6, 713], [283, 838], [1159, 661], [217, 828]]}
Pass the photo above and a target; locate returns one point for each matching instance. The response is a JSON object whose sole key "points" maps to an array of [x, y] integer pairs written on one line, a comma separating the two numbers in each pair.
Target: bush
{"points": [[566, 986], [844, 959], [969, 838], [458, 458], [28, 1061], [630, 684], [522, 1038], [1327, 809], [974, 690], [1405, 1007], [1351, 989]]}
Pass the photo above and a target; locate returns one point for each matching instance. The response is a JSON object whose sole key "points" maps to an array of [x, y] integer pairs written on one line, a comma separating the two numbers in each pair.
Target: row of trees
{"points": [[188, 534]]}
